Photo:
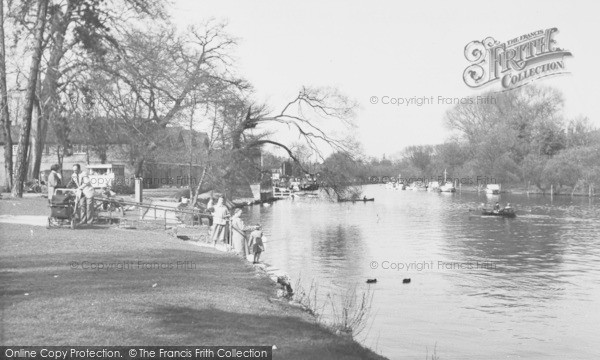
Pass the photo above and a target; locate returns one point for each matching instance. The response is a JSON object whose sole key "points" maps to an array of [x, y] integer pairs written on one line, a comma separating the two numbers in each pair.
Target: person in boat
{"points": [[507, 208], [497, 207], [365, 198]]}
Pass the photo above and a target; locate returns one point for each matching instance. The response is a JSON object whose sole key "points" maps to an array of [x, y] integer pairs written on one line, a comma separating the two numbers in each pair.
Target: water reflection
{"points": [[534, 302]]}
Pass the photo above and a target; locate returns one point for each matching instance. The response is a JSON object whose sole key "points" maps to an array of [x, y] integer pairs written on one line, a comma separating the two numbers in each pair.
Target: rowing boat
{"points": [[355, 200], [502, 213]]}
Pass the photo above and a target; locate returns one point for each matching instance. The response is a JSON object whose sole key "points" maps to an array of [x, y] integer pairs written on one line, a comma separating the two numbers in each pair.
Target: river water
{"points": [[481, 287]]}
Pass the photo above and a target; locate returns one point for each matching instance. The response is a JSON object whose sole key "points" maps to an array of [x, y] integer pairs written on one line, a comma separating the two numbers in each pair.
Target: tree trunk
{"points": [[191, 155], [8, 163], [139, 167], [21, 165], [39, 137], [59, 157], [196, 192], [48, 104]]}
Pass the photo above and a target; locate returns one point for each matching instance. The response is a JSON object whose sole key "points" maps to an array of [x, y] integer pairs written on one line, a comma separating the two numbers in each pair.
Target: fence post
{"points": [[138, 190]]}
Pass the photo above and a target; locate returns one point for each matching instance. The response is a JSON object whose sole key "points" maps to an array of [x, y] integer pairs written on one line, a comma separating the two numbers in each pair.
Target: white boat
{"points": [[492, 189], [417, 186], [448, 187], [433, 186]]}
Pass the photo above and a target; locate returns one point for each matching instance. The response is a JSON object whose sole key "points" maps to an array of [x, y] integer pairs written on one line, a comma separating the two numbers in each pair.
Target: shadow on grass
{"points": [[294, 337]]}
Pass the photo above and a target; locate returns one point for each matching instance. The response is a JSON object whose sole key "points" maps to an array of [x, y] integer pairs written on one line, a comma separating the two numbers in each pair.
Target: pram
{"points": [[62, 208]]}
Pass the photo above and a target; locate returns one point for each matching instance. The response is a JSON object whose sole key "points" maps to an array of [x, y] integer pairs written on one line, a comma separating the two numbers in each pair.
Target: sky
{"points": [[394, 49]]}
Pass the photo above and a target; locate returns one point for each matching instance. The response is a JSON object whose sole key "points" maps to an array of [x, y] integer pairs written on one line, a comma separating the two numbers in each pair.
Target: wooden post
{"points": [[551, 191], [138, 190]]}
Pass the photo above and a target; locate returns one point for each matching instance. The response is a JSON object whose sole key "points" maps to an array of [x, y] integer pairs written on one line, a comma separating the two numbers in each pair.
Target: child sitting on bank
{"points": [[256, 243]]}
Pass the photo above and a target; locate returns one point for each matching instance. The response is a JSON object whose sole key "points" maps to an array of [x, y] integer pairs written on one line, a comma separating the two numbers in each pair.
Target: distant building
{"points": [[169, 166]]}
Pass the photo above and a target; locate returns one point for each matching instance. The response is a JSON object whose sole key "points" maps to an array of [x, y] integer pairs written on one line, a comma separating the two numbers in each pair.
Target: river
{"points": [[481, 287]]}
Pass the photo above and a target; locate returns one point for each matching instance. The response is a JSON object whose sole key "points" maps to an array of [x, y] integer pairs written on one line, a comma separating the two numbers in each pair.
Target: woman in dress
{"points": [[238, 236], [54, 180], [220, 217]]}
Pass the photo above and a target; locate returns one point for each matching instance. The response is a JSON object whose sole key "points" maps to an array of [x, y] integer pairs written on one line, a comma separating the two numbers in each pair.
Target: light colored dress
{"points": [[238, 237], [219, 223], [54, 181]]}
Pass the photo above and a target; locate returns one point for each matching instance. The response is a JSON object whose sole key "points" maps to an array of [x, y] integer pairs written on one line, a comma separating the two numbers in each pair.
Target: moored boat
{"points": [[433, 186], [356, 200], [492, 189], [417, 186], [448, 187]]}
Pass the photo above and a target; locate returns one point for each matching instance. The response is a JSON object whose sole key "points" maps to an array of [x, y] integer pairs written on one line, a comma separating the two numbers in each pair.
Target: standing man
{"points": [[86, 201], [75, 181]]}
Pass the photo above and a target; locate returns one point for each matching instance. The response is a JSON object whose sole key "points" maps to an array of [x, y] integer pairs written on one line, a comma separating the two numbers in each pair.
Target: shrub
{"points": [[123, 189]]}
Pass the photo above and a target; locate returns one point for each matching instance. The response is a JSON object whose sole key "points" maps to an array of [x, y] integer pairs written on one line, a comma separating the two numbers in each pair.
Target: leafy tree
{"points": [[420, 156], [563, 170]]}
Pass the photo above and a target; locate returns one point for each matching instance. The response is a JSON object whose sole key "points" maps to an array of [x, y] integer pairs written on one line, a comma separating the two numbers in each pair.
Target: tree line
{"points": [[100, 69], [519, 138]]}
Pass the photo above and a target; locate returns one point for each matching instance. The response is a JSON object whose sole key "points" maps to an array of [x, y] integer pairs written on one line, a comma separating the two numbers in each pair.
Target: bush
{"points": [[123, 189]]}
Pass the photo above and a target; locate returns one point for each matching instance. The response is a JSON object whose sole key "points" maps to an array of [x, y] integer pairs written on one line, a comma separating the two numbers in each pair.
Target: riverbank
{"points": [[521, 190], [108, 286]]}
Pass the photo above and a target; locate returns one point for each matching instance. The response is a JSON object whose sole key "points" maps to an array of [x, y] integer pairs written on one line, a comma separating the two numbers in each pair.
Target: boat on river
{"points": [[433, 186], [417, 186], [507, 213], [356, 200], [447, 187], [492, 189]]}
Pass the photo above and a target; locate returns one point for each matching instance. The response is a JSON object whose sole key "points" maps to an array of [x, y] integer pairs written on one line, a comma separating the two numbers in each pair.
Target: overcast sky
{"points": [[396, 49]]}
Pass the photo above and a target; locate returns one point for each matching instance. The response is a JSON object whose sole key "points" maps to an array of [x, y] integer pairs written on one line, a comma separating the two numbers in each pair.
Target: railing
{"points": [[195, 216], [281, 192]]}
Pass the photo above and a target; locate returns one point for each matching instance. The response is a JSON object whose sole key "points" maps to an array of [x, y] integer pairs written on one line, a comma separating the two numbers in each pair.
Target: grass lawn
{"points": [[160, 291]]}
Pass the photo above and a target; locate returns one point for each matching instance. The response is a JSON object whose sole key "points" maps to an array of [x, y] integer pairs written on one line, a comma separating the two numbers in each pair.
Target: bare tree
{"points": [[5, 114], [154, 77], [79, 34], [242, 128], [37, 46]]}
